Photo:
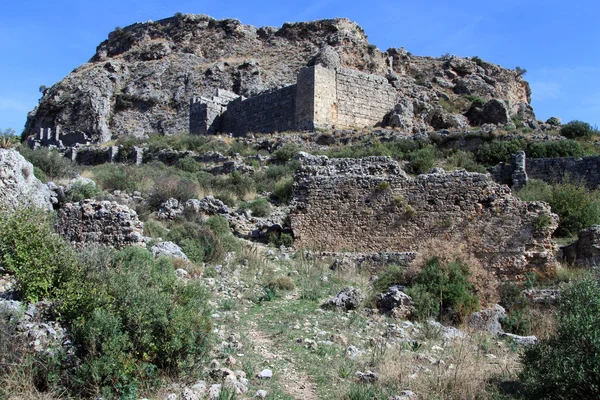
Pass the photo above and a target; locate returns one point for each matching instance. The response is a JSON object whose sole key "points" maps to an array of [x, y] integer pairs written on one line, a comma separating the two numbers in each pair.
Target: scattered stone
{"points": [[170, 209], [168, 249], [395, 302], [487, 320], [348, 298], [265, 374], [261, 394], [366, 377], [189, 394], [523, 340]]}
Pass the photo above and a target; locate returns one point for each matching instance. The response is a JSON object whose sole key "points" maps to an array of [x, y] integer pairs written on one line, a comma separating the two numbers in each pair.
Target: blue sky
{"points": [[558, 42]]}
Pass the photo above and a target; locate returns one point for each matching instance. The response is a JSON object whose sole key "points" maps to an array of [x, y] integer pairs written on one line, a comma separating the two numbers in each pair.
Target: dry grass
{"points": [[483, 281], [465, 372]]}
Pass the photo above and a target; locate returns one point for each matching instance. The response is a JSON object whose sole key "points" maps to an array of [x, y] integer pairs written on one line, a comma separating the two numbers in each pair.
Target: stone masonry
{"points": [[550, 170], [370, 205], [321, 98], [100, 222]]}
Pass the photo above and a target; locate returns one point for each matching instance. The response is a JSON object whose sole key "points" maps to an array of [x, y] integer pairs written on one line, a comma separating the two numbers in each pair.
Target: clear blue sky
{"points": [[557, 41]]}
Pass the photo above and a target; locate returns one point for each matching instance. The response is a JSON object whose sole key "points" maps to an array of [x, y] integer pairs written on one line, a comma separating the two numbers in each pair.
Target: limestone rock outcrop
{"points": [[371, 205], [100, 223], [18, 185], [144, 77]]}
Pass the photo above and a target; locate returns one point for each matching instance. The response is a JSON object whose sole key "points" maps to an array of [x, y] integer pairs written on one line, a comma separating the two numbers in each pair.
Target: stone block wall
{"points": [[362, 99], [268, 112], [551, 170], [370, 205], [321, 98], [107, 223]]}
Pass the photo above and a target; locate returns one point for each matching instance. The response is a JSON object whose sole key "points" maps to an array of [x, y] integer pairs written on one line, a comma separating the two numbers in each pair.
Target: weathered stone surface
{"points": [[493, 112], [395, 302], [522, 340], [371, 205], [487, 320], [585, 252], [168, 249], [155, 76], [100, 222], [208, 206], [170, 209], [550, 170], [18, 186], [348, 298]]}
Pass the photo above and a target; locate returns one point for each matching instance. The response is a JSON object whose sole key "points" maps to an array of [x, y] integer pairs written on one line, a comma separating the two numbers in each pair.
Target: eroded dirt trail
{"points": [[297, 383]]}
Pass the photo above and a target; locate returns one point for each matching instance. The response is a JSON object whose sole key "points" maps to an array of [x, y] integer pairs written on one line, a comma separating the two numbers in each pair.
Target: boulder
{"points": [[170, 209], [168, 249], [395, 302], [487, 320], [326, 57], [18, 185], [208, 206], [493, 112], [348, 298]]}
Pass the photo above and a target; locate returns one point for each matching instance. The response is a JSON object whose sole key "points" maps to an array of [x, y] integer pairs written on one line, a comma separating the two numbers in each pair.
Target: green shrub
{"points": [[464, 159], [80, 191], [499, 151], [577, 207], [556, 148], [565, 365], [32, 252], [260, 207], [422, 160], [41, 175], [188, 164], [240, 184], [198, 242], [155, 229], [142, 320], [518, 314], [286, 152], [51, 162], [282, 239], [282, 282], [284, 190], [443, 289], [393, 275], [128, 178], [578, 129]]}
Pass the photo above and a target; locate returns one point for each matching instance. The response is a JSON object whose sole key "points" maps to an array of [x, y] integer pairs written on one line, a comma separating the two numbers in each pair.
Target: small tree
{"points": [[566, 365], [520, 71]]}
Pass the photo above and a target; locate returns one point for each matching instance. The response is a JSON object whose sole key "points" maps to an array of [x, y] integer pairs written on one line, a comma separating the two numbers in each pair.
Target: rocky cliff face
{"points": [[141, 79], [18, 186]]}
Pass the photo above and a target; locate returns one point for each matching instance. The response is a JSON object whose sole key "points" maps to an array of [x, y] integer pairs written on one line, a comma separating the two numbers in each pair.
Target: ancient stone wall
{"points": [[371, 205], [268, 112], [362, 99], [552, 170], [100, 222]]}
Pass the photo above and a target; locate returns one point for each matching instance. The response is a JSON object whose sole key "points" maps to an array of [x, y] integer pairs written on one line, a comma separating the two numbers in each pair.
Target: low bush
{"points": [[565, 365], [281, 239], [578, 129], [284, 190], [169, 186], [32, 252], [282, 282], [443, 289], [393, 275], [198, 242], [188, 164], [556, 148], [80, 191], [259, 207], [577, 207], [422, 160], [518, 314], [499, 151], [51, 162], [286, 152]]}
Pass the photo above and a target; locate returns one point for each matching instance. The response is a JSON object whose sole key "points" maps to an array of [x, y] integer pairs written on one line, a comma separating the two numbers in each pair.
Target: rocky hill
{"points": [[142, 78]]}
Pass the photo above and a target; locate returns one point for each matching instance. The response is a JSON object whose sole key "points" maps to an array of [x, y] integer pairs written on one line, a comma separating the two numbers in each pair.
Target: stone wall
{"points": [[362, 99], [321, 98], [371, 205], [585, 252], [56, 137], [551, 170], [268, 112], [101, 223]]}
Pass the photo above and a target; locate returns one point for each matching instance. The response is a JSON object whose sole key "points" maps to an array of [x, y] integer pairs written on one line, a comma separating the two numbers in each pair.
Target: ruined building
{"points": [[321, 98], [370, 205]]}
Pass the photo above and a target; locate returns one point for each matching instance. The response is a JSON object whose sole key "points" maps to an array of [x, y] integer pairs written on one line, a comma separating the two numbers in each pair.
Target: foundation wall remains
{"points": [[370, 205], [551, 170]]}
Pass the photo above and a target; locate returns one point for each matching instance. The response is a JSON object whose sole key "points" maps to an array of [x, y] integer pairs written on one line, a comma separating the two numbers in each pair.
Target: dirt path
{"points": [[296, 383]]}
